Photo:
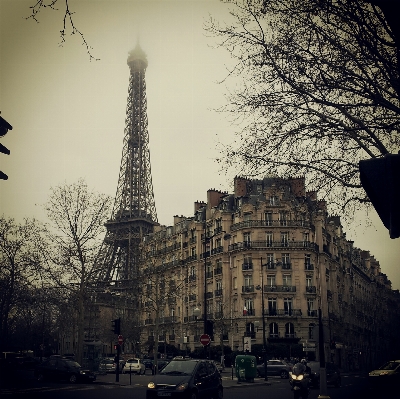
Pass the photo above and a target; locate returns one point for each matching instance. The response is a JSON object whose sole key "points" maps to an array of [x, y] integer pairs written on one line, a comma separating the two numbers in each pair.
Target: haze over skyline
{"points": [[68, 114]]}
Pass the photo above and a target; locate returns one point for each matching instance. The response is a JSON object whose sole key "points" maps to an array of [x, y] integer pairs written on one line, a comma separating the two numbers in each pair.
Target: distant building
{"points": [[270, 236]]}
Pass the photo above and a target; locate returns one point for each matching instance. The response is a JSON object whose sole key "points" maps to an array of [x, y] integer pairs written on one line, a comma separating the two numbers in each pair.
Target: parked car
{"points": [[186, 379], [108, 365], [275, 367], [24, 362], [148, 363], [63, 369], [134, 365], [332, 374], [387, 376]]}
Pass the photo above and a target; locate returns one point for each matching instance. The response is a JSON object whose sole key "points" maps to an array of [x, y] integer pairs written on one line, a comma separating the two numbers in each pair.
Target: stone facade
{"points": [[271, 243]]}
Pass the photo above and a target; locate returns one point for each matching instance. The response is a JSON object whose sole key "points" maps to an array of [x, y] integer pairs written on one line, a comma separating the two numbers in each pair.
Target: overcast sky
{"points": [[68, 113]]}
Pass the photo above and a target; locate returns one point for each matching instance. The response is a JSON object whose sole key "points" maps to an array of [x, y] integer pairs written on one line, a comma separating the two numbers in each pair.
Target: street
{"points": [[353, 387]]}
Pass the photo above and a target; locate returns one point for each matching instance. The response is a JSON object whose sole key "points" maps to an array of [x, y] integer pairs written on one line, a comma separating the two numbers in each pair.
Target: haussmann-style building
{"points": [[269, 245]]}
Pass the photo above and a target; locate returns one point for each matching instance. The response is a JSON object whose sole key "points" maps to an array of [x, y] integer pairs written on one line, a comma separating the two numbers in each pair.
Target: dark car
{"points": [[63, 369], [275, 367], [332, 374], [148, 363], [25, 362], [108, 365], [187, 379], [386, 376]]}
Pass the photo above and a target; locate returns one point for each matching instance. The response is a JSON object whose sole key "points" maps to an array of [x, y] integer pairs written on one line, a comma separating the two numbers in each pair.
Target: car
{"points": [[108, 365], [219, 366], [186, 379], [274, 368], [63, 369], [25, 362], [332, 374], [148, 363], [134, 365], [387, 376]]}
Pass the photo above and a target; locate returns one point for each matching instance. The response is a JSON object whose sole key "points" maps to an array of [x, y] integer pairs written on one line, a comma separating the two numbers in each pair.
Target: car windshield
{"points": [[390, 366], [179, 367], [71, 363]]}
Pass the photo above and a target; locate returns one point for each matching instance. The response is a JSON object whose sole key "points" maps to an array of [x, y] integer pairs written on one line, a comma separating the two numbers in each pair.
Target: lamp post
{"points": [[196, 314], [264, 348]]}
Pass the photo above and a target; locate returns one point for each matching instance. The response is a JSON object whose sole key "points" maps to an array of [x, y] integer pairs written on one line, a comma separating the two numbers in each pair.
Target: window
{"points": [[219, 285], [269, 238], [285, 239], [249, 305], [192, 271], [271, 280], [268, 218], [288, 306], [286, 259], [248, 280], [272, 306], [306, 239], [289, 330], [246, 239], [283, 218], [273, 200], [309, 281], [234, 282], [270, 259], [287, 280], [247, 217], [273, 330], [310, 306], [193, 252], [218, 243], [310, 330]]}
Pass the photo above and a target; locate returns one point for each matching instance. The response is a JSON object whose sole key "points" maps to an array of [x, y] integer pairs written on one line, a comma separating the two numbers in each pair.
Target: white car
{"points": [[134, 366]]}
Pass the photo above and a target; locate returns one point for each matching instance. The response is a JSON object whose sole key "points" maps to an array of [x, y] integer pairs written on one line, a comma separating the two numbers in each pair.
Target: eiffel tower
{"points": [[134, 212]]}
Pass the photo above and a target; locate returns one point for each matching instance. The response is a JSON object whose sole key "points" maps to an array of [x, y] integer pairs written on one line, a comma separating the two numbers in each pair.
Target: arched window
{"points": [[273, 330]]}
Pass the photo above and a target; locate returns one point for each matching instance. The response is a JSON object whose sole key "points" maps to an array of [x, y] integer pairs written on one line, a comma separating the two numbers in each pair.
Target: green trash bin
{"points": [[246, 368]]}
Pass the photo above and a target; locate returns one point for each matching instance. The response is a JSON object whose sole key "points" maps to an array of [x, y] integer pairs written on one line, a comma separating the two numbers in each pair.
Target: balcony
{"points": [[279, 288], [171, 338], [192, 277], [218, 292], [192, 297], [286, 266], [308, 266], [283, 312], [312, 313], [271, 266], [148, 321], [311, 289], [209, 274], [262, 245], [209, 295], [269, 223], [217, 250], [217, 271], [247, 266], [247, 288]]}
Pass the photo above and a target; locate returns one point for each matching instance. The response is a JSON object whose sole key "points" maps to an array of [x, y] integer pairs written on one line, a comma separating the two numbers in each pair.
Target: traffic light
{"points": [[4, 128], [380, 178], [116, 326]]}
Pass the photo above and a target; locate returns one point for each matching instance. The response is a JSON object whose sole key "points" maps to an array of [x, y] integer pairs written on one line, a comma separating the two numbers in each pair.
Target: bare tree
{"points": [[68, 25], [78, 216], [318, 93], [21, 248]]}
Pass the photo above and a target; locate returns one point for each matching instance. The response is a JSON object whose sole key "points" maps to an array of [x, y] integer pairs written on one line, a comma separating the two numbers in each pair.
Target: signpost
{"points": [[205, 339]]}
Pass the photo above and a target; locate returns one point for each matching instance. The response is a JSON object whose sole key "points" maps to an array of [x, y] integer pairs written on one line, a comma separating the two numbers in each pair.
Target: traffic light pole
{"points": [[117, 363]]}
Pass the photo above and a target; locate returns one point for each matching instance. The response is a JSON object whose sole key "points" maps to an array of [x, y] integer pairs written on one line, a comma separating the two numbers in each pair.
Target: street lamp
{"points": [[264, 347], [196, 314]]}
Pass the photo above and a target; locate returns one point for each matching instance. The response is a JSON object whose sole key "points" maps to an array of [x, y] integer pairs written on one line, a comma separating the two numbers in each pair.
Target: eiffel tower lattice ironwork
{"points": [[134, 212]]}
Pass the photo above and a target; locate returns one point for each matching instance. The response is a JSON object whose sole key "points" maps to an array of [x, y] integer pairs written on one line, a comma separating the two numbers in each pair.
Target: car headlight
{"points": [[82, 372], [151, 385], [182, 387], [298, 377]]}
